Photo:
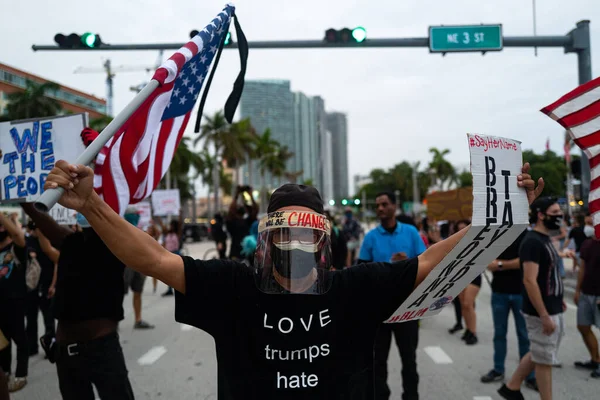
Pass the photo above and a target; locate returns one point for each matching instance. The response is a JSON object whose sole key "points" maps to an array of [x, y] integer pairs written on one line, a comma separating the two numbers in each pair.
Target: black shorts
{"points": [[134, 280], [477, 281]]}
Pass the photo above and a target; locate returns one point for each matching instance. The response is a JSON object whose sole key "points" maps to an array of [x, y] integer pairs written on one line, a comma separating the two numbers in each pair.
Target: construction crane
{"points": [[110, 72]]}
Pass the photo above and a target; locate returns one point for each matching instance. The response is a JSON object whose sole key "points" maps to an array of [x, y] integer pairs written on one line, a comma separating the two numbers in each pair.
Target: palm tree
{"points": [[241, 146], [443, 170], [98, 124], [293, 176], [33, 102], [265, 147]]}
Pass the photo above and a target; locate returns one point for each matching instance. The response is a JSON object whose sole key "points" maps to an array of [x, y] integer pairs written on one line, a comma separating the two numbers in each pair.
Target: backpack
{"points": [[33, 270]]}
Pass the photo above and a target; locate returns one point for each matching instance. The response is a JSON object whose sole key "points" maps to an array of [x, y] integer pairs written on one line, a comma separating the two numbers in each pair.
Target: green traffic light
{"points": [[359, 34], [227, 39], [332, 202], [89, 39], [344, 202], [357, 202]]}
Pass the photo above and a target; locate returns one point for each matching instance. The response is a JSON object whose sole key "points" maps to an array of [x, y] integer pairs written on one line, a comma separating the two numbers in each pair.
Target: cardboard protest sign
{"points": [[30, 148], [166, 202], [63, 215], [500, 214], [452, 205]]}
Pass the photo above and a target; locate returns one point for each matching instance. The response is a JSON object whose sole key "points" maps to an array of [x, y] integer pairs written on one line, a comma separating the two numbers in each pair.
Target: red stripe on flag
{"points": [[163, 136], [178, 59], [594, 161], [589, 140], [586, 87], [594, 184], [191, 46], [582, 116]]}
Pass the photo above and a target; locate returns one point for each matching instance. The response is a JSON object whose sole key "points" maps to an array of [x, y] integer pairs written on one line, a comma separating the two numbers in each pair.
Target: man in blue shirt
{"points": [[393, 241]]}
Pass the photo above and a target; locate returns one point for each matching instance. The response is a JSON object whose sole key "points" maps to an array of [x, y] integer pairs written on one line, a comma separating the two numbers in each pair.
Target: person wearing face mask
{"points": [[276, 323], [543, 304]]}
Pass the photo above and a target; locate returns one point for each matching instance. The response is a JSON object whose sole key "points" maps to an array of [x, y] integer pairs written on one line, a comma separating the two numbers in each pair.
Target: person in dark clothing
{"points": [[276, 324], [339, 250], [4, 395], [577, 235], [219, 236], [239, 220], [88, 305], [13, 292], [39, 299]]}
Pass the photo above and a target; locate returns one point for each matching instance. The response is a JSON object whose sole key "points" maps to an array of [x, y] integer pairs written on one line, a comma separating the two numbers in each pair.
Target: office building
{"points": [[337, 125], [306, 145], [15, 80], [268, 104]]}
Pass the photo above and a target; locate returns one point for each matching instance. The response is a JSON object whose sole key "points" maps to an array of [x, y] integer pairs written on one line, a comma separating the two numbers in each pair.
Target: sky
{"points": [[399, 101]]}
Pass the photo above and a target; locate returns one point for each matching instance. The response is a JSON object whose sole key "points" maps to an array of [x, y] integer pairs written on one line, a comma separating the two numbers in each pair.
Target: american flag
{"points": [[132, 163], [579, 113]]}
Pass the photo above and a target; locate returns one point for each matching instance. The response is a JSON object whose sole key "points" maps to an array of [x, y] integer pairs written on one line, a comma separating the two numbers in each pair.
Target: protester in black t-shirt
{"points": [[543, 305], [219, 236], [339, 250], [13, 291], [578, 236], [237, 225], [38, 299], [276, 325], [507, 288]]}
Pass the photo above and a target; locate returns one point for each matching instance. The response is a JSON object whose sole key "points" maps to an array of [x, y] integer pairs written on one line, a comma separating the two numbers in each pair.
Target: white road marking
{"points": [[438, 355], [482, 398], [152, 355], [571, 306], [185, 327]]}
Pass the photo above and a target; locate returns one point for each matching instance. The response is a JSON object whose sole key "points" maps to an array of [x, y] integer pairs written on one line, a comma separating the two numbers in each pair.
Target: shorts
{"points": [[134, 280], [588, 313], [544, 348], [477, 281]]}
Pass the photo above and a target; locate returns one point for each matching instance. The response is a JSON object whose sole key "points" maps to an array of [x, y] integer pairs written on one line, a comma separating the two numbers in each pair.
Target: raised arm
{"points": [[233, 206], [51, 252], [49, 227], [14, 231], [436, 253], [133, 247]]}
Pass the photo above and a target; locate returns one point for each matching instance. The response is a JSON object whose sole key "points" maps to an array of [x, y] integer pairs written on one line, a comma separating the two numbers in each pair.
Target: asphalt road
{"points": [[178, 362]]}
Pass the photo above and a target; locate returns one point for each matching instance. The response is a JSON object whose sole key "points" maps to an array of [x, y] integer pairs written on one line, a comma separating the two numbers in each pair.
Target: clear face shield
{"points": [[293, 253]]}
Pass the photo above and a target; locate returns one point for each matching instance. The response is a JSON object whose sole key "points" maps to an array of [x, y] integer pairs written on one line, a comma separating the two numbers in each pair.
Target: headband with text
{"points": [[295, 219]]}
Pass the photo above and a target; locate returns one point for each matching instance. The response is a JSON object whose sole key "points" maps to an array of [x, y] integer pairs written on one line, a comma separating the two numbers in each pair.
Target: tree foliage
{"points": [[550, 166]]}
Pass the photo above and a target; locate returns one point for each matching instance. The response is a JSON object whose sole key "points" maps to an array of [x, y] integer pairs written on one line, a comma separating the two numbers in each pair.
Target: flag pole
{"points": [[51, 196]]}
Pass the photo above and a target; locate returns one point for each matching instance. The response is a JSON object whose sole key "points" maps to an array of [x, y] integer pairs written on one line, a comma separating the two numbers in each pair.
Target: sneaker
{"points": [[508, 394], [455, 328], [471, 339], [16, 384], [596, 373], [591, 365], [532, 384], [465, 335], [142, 325], [492, 376]]}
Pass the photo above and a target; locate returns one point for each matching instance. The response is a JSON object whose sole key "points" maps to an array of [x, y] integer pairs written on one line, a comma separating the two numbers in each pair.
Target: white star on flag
{"points": [[176, 92], [191, 89], [213, 49], [194, 69], [203, 59], [185, 82], [182, 100], [200, 79]]}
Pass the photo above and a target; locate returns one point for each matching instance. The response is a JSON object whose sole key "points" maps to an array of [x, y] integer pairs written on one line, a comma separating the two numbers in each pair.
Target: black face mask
{"points": [[293, 264], [3, 235], [553, 222]]}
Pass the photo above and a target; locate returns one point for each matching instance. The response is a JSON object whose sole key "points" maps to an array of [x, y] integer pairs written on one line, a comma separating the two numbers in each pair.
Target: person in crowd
{"points": [[507, 289], [423, 233], [339, 250], [393, 241], [88, 305], [458, 326], [467, 300], [277, 324], [154, 232], [588, 229], [219, 236], [587, 298], [543, 304], [576, 236], [135, 280], [13, 292], [240, 218], [38, 299], [173, 240], [352, 231]]}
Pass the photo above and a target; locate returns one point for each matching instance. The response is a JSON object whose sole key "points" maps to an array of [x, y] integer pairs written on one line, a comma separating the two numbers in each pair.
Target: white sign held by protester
{"points": [[500, 215], [63, 215], [145, 211], [29, 150], [166, 202]]}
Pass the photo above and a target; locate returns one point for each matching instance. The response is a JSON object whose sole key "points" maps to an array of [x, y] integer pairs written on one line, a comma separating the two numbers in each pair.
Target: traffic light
{"points": [[357, 202], [344, 202], [345, 35], [228, 39], [576, 168], [74, 41]]}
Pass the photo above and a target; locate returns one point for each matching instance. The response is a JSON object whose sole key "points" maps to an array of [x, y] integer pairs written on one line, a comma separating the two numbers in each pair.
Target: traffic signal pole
{"points": [[577, 41]]}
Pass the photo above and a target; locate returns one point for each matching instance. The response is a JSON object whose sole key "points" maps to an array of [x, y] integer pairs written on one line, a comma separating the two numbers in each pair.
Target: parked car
{"points": [[195, 232]]}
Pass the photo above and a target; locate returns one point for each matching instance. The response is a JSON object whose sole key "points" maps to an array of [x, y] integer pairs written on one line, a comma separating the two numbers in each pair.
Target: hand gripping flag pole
{"points": [[135, 150]]}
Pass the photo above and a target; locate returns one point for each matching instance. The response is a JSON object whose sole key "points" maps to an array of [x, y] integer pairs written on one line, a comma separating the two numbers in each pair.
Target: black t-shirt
{"points": [[33, 244], [238, 229], [14, 287], [273, 346], [537, 247], [509, 281], [89, 281], [590, 253], [578, 235]]}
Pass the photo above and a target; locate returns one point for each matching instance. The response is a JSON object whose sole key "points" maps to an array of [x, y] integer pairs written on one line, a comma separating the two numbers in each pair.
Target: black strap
{"points": [[238, 86], [236, 94]]}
